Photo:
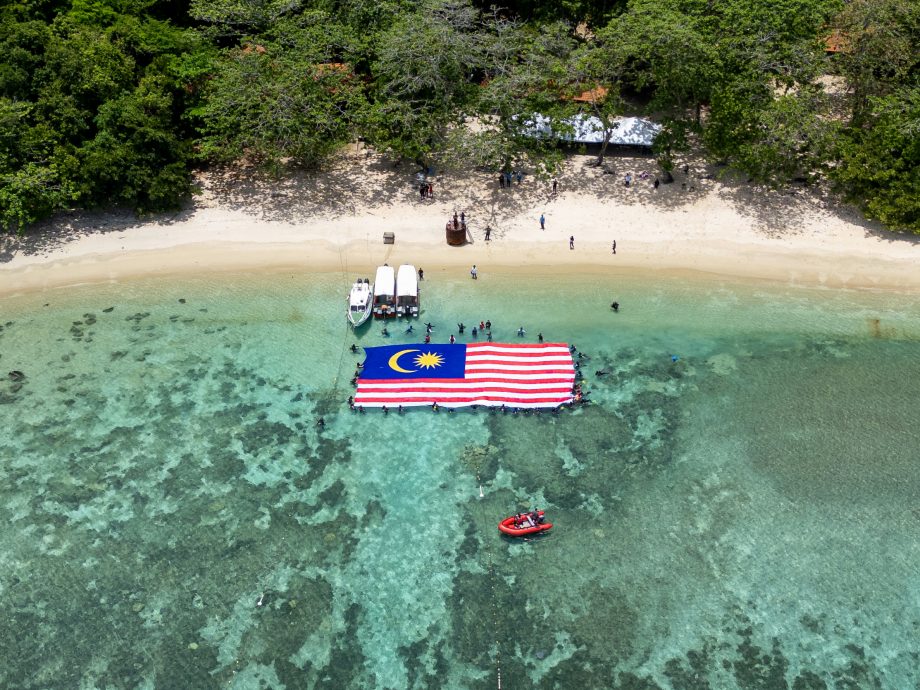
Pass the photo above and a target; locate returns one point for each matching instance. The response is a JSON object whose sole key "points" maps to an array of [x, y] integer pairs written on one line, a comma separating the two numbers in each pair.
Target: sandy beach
{"points": [[335, 220]]}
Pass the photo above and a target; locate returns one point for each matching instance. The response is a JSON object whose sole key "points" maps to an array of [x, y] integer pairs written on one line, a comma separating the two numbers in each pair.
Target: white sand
{"points": [[335, 221]]}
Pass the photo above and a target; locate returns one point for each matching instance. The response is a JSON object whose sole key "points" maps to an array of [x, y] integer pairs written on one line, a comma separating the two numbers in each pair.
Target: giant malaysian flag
{"points": [[518, 375]]}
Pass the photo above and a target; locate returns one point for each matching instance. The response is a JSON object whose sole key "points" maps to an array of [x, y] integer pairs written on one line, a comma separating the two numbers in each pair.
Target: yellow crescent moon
{"points": [[394, 362]]}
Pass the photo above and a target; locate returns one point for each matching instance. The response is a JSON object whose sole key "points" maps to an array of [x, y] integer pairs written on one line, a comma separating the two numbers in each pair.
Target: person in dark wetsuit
{"points": [[460, 328], [615, 306], [354, 348]]}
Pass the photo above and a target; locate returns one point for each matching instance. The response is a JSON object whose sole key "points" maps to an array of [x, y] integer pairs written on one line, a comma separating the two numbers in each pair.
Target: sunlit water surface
{"points": [[745, 516]]}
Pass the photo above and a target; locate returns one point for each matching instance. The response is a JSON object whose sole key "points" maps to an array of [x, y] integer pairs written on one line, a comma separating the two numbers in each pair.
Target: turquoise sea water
{"points": [[746, 516]]}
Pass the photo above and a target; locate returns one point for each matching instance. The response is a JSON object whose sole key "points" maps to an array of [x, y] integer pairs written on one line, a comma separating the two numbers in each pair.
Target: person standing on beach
{"points": [[430, 191], [614, 246], [571, 241], [542, 222], [421, 274], [501, 180], [555, 183], [520, 177], [473, 272], [488, 233]]}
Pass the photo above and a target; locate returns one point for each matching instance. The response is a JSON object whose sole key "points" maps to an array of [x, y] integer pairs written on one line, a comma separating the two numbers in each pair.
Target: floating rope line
{"points": [[333, 393]]}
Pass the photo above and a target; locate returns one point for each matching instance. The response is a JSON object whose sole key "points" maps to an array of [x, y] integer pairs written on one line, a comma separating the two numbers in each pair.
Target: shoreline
{"points": [[720, 232]]}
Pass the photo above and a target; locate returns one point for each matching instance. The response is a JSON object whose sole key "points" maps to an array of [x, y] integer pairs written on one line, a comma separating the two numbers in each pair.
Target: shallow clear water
{"points": [[746, 516]]}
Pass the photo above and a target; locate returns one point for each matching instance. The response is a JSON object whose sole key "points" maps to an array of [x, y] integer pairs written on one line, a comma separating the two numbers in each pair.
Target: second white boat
{"points": [[407, 301]]}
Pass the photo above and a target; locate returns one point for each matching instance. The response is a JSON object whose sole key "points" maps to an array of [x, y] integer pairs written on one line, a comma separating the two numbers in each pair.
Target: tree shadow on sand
{"points": [[68, 226], [361, 181], [356, 183]]}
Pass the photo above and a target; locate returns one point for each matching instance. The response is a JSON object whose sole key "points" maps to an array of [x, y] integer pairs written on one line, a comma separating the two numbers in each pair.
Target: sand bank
{"points": [[335, 221]]}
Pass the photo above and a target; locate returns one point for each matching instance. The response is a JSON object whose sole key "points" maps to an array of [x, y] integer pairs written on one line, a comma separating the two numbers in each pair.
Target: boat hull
{"points": [[359, 302], [506, 526], [358, 318]]}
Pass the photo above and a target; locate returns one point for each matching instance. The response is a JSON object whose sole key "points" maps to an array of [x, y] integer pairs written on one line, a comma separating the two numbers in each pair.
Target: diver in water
{"points": [[615, 306], [409, 328], [386, 410], [321, 422], [354, 348], [386, 333], [460, 328]]}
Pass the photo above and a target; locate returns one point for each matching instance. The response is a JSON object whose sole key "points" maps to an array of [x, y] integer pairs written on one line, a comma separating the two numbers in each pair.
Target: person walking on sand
{"points": [[542, 222], [614, 247], [473, 272], [571, 241]]}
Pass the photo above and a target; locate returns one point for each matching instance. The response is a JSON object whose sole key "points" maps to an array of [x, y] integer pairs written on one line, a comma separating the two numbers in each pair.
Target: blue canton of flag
{"points": [[432, 361]]}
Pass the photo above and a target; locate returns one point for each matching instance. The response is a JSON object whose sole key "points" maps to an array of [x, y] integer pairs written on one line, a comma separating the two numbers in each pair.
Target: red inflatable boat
{"points": [[524, 524]]}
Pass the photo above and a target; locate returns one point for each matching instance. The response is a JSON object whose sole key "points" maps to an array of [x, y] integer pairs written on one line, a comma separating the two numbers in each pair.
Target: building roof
{"points": [[598, 93], [628, 131]]}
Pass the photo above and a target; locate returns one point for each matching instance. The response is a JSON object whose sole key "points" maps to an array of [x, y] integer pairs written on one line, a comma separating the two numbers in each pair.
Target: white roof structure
{"points": [[628, 131], [384, 282], [407, 281]]}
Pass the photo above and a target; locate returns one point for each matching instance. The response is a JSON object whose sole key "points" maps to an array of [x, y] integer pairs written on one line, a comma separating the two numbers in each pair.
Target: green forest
{"points": [[117, 102]]}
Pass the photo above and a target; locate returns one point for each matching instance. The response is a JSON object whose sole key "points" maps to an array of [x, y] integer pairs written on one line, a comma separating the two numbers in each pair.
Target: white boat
{"points": [[359, 302], [407, 303], [384, 292]]}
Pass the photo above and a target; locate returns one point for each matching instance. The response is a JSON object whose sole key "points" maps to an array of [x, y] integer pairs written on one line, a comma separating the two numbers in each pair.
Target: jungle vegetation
{"points": [[117, 102]]}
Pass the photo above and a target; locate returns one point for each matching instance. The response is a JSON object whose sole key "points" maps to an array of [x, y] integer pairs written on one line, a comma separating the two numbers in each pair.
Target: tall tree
{"points": [[424, 74], [291, 96], [878, 55], [524, 73]]}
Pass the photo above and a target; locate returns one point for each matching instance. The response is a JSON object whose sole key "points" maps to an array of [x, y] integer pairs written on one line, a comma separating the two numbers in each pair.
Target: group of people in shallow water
{"points": [[531, 519], [579, 396]]}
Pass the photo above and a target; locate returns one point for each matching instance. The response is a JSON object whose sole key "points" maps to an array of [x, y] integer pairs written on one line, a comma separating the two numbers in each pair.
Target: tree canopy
{"points": [[116, 102]]}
